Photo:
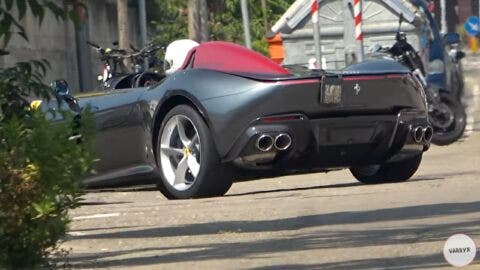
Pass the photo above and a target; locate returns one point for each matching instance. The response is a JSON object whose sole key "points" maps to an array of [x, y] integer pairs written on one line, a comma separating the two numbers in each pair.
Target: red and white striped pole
{"points": [[316, 33], [357, 13], [314, 11]]}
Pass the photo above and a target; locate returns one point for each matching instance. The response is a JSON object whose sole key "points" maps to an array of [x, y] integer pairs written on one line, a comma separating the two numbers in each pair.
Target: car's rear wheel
{"points": [[187, 157], [398, 171]]}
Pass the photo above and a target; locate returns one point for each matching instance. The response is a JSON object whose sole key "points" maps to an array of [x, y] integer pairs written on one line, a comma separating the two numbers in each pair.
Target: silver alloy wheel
{"points": [[180, 152]]}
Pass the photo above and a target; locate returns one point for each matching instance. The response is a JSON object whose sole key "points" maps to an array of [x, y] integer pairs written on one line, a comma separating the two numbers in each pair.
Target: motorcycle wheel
{"points": [[450, 134]]}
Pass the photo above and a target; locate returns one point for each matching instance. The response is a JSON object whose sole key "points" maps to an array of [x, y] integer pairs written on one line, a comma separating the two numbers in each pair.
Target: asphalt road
{"points": [[315, 221]]}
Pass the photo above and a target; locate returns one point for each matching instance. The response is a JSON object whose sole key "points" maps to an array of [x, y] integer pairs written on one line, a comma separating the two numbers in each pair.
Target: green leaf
{"points": [[23, 35], [14, 21], [56, 10], [73, 17], [22, 8], [5, 25], [37, 10], [6, 38], [8, 4]]}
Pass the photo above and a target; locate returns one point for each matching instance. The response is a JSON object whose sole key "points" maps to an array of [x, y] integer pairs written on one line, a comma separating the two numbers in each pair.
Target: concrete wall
{"points": [[55, 41]]}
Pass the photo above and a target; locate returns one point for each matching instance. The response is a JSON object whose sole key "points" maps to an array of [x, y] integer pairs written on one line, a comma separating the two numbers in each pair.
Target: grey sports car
{"points": [[231, 113]]}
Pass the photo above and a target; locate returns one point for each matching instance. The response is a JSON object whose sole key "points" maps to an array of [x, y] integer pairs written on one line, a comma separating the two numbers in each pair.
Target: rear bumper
{"points": [[331, 142]]}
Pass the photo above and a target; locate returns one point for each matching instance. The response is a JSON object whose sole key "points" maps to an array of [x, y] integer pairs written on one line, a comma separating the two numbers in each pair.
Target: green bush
{"points": [[40, 169]]}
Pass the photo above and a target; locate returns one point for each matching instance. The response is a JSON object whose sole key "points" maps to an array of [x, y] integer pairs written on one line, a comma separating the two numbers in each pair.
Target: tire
{"points": [[457, 128], [188, 162], [398, 171]]}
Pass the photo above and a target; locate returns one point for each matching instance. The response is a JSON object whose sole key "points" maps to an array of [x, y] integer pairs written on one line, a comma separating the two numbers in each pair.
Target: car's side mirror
{"points": [[72, 102], [451, 38], [60, 87], [63, 92]]}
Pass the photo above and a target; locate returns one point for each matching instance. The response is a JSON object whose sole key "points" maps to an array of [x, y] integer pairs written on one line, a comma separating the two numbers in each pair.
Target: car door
{"points": [[119, 143]]}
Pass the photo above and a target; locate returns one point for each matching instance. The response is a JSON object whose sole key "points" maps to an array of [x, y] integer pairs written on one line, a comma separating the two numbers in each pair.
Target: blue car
{"points": [[444, 68]]}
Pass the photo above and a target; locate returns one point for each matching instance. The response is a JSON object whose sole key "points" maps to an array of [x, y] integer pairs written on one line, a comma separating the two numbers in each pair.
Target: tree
{"points": [[265, 16], [198, 20], [169, 20], [193, 20], [123, 24], [226, 21], [203, 18]]}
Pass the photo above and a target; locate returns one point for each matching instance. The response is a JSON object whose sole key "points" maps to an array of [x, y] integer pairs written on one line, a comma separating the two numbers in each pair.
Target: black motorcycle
{"points": [[117, 75], [446, 114]]}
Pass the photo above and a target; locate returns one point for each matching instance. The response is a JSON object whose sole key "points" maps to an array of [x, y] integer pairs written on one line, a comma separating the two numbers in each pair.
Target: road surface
{"points": [[315, 221]]}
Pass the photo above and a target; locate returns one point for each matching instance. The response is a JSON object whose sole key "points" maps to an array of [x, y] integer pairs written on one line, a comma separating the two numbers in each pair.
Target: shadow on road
{"points": [[86, 203], [295, 189], [397, 263], [319, 236], [354, 183], [104, 228], [442, 176]]}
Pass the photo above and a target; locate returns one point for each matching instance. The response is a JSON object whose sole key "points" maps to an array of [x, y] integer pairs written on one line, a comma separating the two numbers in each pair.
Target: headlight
{"points": [[436, 66]]}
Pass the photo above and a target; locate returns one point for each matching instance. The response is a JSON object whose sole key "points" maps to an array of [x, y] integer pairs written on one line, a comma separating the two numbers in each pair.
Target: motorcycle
{"points": [[116, 75], [145, 63], [446, 114], [112, 61]]}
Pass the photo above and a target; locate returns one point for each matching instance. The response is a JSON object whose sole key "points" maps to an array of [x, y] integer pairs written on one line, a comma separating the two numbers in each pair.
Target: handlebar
{"points": [[147, 50], [96, 46], [115, 57], [107, 52], [119, 53]]}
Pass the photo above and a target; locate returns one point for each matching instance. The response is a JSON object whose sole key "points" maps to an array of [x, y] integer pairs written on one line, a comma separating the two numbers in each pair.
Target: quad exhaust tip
{"points": [[265, 142], [422, 134], [283, 141], [418, 133], [427, 134]]}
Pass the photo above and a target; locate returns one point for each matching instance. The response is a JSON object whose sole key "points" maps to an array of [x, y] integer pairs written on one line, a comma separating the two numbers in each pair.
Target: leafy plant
{"points": [[41, 174], [169, 20], [40, 167]]}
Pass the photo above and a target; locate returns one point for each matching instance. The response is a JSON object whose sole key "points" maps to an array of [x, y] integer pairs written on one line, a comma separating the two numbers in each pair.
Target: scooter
{"points": [[446, 113]]}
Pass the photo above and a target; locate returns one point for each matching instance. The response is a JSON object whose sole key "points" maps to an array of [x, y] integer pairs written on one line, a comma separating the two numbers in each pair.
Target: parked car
{"points": [[444, 68], [229, 112]]}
